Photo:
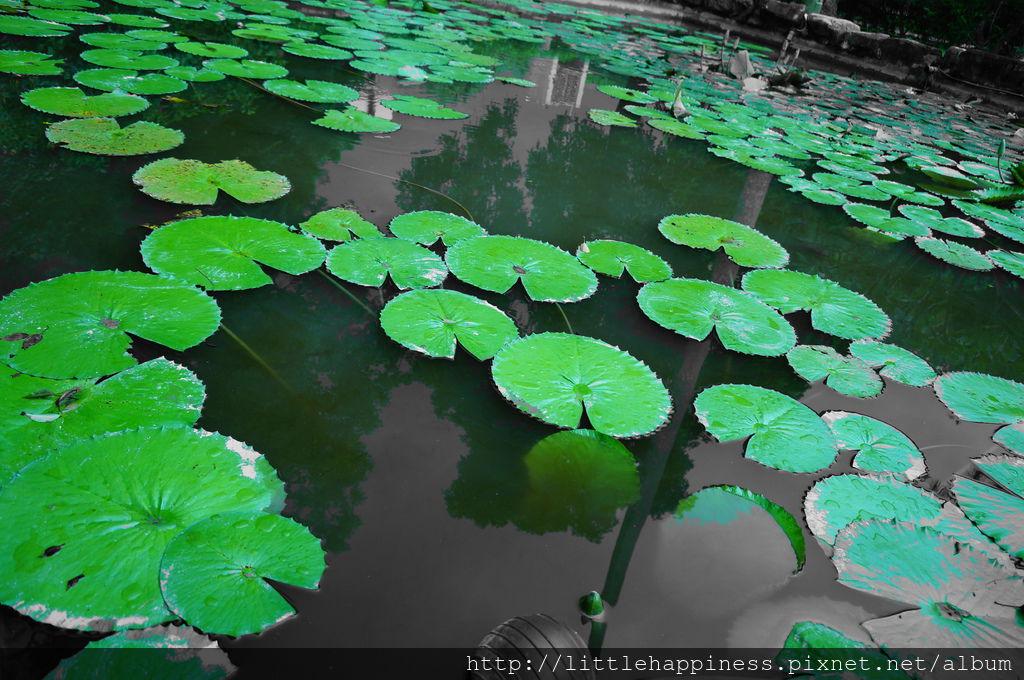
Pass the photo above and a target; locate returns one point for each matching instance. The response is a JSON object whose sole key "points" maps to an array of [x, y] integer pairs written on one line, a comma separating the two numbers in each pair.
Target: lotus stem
{"points": [[256, 357], [279, 96], [405, 181], [566, 319], [347, 292]]}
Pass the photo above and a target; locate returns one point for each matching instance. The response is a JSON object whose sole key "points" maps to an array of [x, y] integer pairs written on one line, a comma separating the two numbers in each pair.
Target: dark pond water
{"points": [[412, 470]]}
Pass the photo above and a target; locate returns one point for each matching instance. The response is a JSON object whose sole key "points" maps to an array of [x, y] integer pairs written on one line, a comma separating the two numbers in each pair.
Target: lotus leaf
{"points": [[194, 75], [981, 398], [613, 258], [128, 60], [1010, 261], [1011, 230], [1012, 437], [157, 35], [339, 224], [71, 101], [988, 213], [246, 68], [954, 253], [999, 515], [111, 79], [880, 447], [958, 227], [419, 106], [555, 376], [319, 91], [315, 51], [893, 188], [17, 25], [949, 176], [677, 128], [427, 226], [824, 197], [197, 183], [521, 82], [212, 50], [894, 362], [138, 20], [627, 94], [354, 120], [744, 245], [120, 41], [76, 325], [846, 375], [605, 117], [22, 63], [786, 434], [104, 136], [368, 262]]}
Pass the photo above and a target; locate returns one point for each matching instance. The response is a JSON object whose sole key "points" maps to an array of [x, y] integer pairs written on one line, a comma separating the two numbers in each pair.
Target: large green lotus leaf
{"points": [[577, 480], [246, 68], [430, 321], [157, 35], [226, 253], [676, 127], [949, 177], [692, 307], [77, 325], [17, 25], [958, 227], [111, 79], [315, 51], [606, 117], [128, 59], [426, 226], [213, 573], [339, 224], [197, 183], [105, 137], [612, 258], [120, 41], [723, 503], [894, 362], [212, 50], [368, 262], [1007, 471], [22, 63], [1008, 260], [786, 434], [71, 101], [69, 16], [810, 643], [626, 94], [495, 263], [834, 309], [956, 254], [88, 524], [998, 515], [40, 415], [880, 447], [555, 376], [989, 213], [746, 246], [847, 375], [354, 120], [981, 398], [424, 108], [1012, 437], [319, 91]]}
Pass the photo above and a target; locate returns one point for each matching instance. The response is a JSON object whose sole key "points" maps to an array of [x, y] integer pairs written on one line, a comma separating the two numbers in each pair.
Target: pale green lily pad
{"points": [[246, 68], [956, 254], [120, 41], [880, 447], [128, 60], [194, 75], [40, 415], [340, 224], [213, 573], [824, 197], [88, 524], [315, 51], [496, 263], [981, 398], [111, 79], [894, 362], [1010, 261], [197, 183], [422, 107], [1012, 437], [18, 25], [554, 376], [605, 117], [71, 101], [846, 375], [226, 253], [105, 137], [786, 434], [955, 226], [427, 226], [76, 325], [354, 120], [834, 309], [320, 91], [692, 307], [368, 262], [746, 246], [212, 50], [23, 63], [430, 321], [613, 258], [998, 515], [676, 127]]}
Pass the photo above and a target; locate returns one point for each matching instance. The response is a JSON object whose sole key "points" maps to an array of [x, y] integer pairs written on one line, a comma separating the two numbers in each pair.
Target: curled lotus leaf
{"points": [[430, 321], [981, 398], [427, 226], [846, 375], [956, 254], [319, 91], [894, 362], [1010, 261], [880, 447], [105, 137], [213, 574], [999, 515], [692, 307], [128, 59], [422, 107], [111, 79], [77, 325], [221, 252], [834, 309], [745, 245], [368, 262], [354, 120], [72, 102], [786, 434], [89, 523], [212, 50], [614, 118], [613, 258], [24, 63], [555, 376], [949, 177], [339, 224], [246, 68], [495, 263], [196, 183], [1012, 437]]}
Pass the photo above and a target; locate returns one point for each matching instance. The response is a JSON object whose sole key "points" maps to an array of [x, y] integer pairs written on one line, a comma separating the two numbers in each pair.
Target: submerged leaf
{"points": [[339, 224], [846, 375], [197, 183], [427, 226], [612, 258], [894, 362], [880, 447], [746, 246], [368, 262], [104, 136]]}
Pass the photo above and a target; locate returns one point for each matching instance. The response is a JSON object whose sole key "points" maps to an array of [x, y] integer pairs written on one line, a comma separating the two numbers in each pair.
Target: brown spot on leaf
{"points": [[52, 550], [518, 270], [110, 323], [74, 581], [27, 340]]}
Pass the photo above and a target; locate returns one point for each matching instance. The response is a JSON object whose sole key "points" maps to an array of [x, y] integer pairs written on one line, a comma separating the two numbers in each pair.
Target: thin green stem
{"points": [[287, 99], [347, 292], [405, 181], [255, 356], [566, 319]]}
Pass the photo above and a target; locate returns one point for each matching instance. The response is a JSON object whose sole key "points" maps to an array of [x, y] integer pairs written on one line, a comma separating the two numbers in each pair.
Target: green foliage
{"points": [[104, 136], [197, 183]]}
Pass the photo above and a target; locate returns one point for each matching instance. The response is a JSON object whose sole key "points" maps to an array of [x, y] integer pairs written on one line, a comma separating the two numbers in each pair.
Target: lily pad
{"points": [[430, 321], [981, 398], [880, 447], [746, 246], [197, 183], [88, 524], [692, 307], [427, 226], [105, 137], [23, 63], [998, 515], [627, 94], [194, 75], [111, 79], [128, 60], [676, 127], [339, 224], [246, 68], [605, 117], [419, 106], [76, 325], [315, 51], [555, 376], [786, 434], [613, 258], [1008, 260], [71, 101], [212, 50], [213, 573], [226, 253], [354, 120], [955, 226], [368, 262], [846, 375], [521, 82], [18, 25], [956, 254], [1012, 437], [834, 309], [894, 362], [320, 91], [495, 263]]}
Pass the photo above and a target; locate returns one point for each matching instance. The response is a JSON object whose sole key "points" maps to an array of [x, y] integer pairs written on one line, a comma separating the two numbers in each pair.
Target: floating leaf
{"points": [[998, 515], [427, 226], [419, 106], [677, 128], [495, 263], [354, 120], [834, 309], [554, 376], [880, 447], [894, 362], [246, 68], [954, 253], [521, 82], [605, 117], [845, 375], [315, 51], [197, 183], [786, 434], [339, 224], [213, 573], [104, 136], [22, 63], [1008, 260], [17, 25], [75, 325], [368, 262], [111, 79], [1012, 437], [949, 177], [120, 41], [320, 91], [430, 321], [71, 101], [195, 75], [212, 50], [612, 258], [981, 398], [128, 60], [627, 94], [746, 246], [87, 525], [692, 307]]}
